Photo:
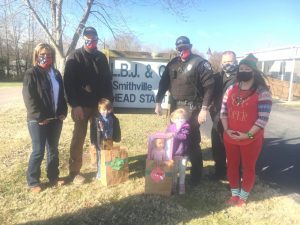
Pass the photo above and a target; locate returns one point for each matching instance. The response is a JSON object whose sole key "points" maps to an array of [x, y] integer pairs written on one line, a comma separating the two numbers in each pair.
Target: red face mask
{"points": [[45, 61], [184, 54]]}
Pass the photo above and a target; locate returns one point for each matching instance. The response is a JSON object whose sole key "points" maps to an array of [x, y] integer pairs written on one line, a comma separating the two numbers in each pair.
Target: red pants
{"points": [[247, 155]]}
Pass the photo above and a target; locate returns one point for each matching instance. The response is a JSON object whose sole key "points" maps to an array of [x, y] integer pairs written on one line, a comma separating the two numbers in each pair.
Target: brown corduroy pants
{"points": [[79, 134]]}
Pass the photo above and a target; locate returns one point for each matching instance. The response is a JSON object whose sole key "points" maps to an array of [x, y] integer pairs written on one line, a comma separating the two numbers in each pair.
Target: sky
{"points": [[240, 25]]}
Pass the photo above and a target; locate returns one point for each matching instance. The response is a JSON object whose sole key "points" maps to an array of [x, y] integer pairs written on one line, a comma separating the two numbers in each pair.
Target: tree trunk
{"points": [[60, 63], [7, 58]]}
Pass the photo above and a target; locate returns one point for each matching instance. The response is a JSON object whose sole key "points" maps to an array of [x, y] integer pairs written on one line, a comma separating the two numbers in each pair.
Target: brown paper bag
{"points": [[114, 166], [93, 154], [158, 179], [107, 144]]}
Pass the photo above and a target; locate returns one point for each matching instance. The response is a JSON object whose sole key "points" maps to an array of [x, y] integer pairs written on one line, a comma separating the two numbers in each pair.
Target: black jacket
{"points": [[95, 131], [202, 82], [37, 95], [87, 78], [222, 82]]}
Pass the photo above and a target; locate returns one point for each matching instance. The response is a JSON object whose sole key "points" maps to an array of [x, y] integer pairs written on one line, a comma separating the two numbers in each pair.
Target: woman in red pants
{"points": [[245, 112]]}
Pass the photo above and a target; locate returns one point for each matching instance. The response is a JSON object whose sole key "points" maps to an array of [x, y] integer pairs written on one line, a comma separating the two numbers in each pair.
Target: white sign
{"points": [[135, 82]]}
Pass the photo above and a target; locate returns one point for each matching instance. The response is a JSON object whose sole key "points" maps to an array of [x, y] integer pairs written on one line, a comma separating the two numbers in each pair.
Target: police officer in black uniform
{"points": [[223, 80], [189, 79]]}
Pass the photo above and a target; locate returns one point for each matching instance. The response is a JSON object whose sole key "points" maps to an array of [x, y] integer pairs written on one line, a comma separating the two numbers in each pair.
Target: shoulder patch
{"points": [[207, 66]]}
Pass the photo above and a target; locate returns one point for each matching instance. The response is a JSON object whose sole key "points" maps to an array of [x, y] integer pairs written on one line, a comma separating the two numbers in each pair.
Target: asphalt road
{"points": [[279, 162], [10, 94]]}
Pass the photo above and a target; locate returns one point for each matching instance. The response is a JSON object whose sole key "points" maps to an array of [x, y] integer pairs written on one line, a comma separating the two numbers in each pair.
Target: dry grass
{"points": [[93, 203]]}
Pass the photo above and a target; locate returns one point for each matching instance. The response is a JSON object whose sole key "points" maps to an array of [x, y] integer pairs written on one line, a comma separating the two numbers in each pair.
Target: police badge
{"points": [[189, 67]]}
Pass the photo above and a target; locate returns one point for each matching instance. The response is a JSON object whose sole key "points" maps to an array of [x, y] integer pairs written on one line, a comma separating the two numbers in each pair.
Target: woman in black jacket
{"points": [[43, 95]]}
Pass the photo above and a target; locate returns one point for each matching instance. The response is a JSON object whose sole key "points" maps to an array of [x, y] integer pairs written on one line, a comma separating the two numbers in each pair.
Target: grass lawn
{"points": [[92, 203]]}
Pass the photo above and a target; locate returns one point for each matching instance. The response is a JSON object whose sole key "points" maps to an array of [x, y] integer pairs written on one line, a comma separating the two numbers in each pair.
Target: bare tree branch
{"points": [[80, 5], [104, 21], [80, 26], [53, 14], [36, 16], [58, 27]]}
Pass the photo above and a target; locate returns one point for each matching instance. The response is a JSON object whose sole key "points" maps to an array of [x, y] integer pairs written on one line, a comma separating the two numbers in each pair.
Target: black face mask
{"points": [[244, 76]]}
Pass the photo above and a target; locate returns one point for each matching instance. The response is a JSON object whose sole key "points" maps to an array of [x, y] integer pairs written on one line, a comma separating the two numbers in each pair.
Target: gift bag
{"points": [[114, 166], [158, 177], [93, 154], [107, 144]]}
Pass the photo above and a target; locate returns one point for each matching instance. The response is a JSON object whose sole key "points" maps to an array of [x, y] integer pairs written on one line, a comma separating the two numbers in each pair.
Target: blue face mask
{"points": [[104, 114], [229, 67], [91, 43], [45, 61]]}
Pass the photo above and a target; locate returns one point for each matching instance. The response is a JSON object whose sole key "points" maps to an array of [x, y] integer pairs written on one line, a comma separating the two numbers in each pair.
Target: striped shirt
{"points": [[264, 106]]}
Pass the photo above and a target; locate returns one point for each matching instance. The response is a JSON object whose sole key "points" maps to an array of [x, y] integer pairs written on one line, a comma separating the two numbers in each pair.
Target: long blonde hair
{"points": [[38, 49]]}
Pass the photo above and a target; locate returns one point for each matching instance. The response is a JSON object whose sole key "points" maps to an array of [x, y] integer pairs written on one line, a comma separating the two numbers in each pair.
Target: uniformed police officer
{"points": [[189, 79]]}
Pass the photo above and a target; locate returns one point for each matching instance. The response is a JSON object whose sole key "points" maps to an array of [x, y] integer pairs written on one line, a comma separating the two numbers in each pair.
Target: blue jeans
{"points": [[98, 174], [43, 136], [179, 168]]}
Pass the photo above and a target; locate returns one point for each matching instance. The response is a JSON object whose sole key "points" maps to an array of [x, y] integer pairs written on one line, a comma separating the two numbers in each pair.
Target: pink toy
{"points": [[160, 146]]}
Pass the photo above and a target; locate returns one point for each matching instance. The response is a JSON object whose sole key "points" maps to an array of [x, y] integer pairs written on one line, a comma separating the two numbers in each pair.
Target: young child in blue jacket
{"points": [[105, 128]]}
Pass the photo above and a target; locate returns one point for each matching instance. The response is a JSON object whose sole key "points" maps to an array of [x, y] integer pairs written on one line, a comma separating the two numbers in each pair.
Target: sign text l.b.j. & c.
{"points": [[135, 82]]}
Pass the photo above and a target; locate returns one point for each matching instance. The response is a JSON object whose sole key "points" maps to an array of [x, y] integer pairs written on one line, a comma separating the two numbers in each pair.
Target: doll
{"points": [[158, 152]]}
